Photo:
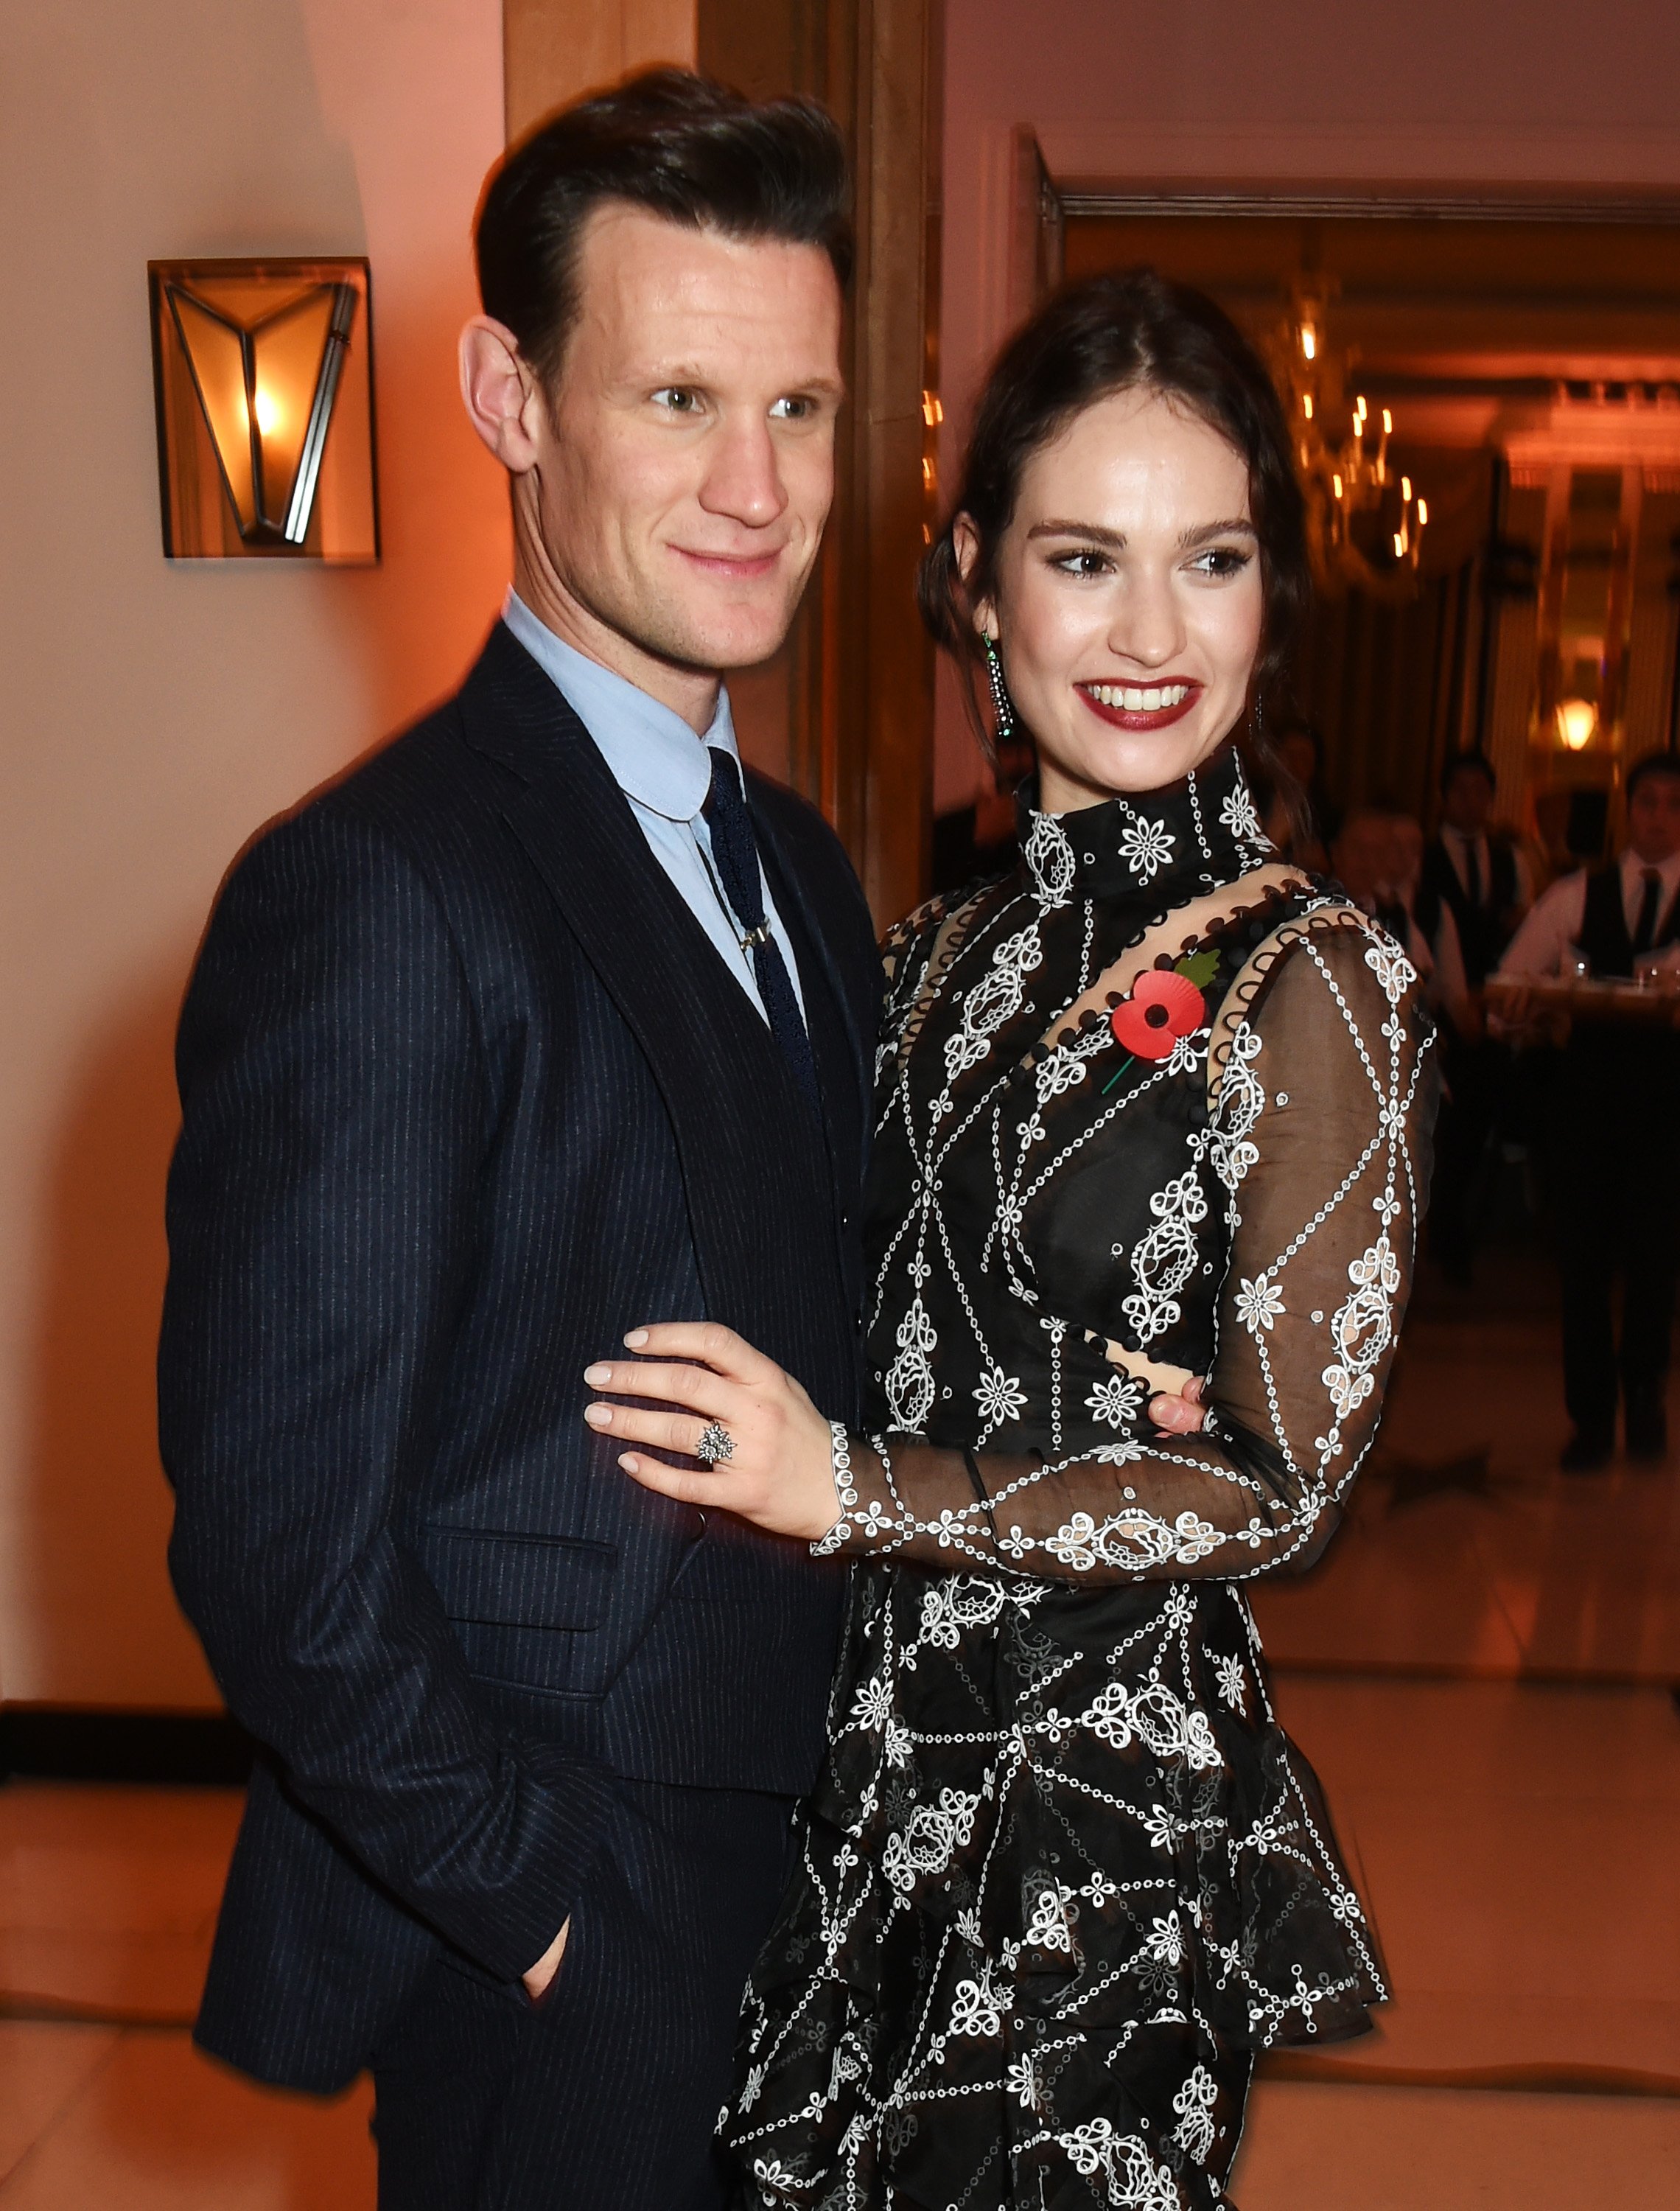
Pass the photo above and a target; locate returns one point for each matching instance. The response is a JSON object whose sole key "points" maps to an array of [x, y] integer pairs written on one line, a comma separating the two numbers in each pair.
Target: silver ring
{"points": [[715, 1443]]}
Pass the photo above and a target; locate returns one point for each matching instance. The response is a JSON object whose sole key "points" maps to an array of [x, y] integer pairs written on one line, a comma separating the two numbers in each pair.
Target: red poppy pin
{"points": [[1163, 1007]]}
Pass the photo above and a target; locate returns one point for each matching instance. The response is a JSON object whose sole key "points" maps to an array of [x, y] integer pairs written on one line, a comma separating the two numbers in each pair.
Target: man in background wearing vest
{"points": [[1478, 876], [1616, 1182]]}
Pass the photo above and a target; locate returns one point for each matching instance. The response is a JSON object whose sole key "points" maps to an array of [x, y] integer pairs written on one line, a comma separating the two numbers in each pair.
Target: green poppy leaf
{"points": [[1200, 967]]}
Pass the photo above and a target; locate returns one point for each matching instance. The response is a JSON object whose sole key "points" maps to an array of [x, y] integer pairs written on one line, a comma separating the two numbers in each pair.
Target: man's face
{"points": [[1653, 819], [1467, 802], [686, 461]]}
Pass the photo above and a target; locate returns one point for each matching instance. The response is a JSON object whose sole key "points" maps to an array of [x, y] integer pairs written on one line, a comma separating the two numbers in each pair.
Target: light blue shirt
{"points": [[665, 771]]}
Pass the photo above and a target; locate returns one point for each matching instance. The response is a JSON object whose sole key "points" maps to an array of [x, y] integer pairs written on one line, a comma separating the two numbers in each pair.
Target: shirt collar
{"points": [[654, 756], [1633, 871]]}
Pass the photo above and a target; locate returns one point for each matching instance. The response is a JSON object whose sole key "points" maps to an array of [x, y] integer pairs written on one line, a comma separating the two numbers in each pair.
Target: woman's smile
{"points": [[1143, 706]]}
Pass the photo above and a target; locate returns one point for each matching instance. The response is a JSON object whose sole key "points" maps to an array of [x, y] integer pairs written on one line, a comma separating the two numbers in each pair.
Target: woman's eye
{"points": [[1222, 560], [1085, 562]]}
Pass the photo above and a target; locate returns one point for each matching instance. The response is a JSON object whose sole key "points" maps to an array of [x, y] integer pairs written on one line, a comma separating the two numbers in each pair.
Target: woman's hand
{"points": [[780, 1471]]}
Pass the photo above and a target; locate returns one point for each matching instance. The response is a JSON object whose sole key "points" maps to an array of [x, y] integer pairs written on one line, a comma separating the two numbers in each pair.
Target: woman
{"points": [[1152, 1106]]}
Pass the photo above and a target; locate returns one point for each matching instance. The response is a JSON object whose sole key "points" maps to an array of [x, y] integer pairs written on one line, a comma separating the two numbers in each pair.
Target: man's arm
{"points": [[324, 1225]]}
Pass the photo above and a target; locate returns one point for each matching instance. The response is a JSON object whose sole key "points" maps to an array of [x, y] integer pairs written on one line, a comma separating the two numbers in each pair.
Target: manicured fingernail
{"points": [[598, 1416], [637, 1338], [629, 1463], [597, 1376]]}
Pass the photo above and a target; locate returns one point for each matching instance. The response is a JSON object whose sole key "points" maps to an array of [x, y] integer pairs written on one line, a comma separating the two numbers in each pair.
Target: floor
{"points": [[1481, 1671]]}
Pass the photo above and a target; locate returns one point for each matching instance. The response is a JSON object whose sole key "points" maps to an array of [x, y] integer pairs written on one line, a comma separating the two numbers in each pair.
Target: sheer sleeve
{"points": [[1319, 1131]]}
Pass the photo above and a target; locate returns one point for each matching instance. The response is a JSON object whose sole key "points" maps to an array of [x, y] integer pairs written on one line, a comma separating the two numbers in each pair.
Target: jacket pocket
{"points": [[495, 1579]]}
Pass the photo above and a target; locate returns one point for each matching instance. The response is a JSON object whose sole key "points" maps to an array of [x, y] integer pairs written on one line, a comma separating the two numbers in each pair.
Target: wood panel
{"points": [[850, 704], [556, 50]]}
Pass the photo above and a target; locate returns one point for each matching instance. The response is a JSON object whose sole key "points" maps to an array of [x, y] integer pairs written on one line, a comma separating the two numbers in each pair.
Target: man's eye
{"points": [[676, 401], [790, 410]]}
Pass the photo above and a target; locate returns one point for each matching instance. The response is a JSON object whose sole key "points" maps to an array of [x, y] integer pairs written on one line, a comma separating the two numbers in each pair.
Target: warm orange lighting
{"points": [[1309, 341], [1387, 423], [933, 414], [928, 475], [1399, 541], [1577, 718], [1336, 486], [268, 410], [1307, 405], [1423, 512], [1406, 489]]}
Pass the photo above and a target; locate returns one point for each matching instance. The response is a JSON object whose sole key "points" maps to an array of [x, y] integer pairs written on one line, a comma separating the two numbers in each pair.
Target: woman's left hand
{"points": [[780, 1472]]}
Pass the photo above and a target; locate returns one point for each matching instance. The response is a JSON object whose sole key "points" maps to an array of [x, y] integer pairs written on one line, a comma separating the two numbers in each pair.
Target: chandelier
{"points": [[1341, 453]]}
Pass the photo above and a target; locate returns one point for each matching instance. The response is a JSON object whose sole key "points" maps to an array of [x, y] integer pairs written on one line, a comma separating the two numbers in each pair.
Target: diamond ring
{"points": [[715, 1443]]}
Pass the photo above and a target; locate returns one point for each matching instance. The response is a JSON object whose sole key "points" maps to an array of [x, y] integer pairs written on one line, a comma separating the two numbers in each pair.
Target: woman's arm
{"points": [[1322, 1141]]}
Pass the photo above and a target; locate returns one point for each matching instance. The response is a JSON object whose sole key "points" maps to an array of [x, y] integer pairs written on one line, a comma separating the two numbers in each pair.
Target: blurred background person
{"points": [[1615, 1113], [1296, 810], [1375, 858], [1474, 874]]}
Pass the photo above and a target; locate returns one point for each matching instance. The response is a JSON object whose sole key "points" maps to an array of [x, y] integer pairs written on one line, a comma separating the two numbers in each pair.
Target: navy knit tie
{"points": [[734, 848]]}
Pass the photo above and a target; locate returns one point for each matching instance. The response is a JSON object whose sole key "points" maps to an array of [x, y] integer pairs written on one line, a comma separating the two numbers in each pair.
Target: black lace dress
{"points": [[1151, 1105]]}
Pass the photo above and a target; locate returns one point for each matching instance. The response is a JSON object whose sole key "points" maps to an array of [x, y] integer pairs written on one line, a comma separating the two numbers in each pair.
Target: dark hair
{"points": [[1104, 335], [1647, 765], [1455, 764], [678, 145]]}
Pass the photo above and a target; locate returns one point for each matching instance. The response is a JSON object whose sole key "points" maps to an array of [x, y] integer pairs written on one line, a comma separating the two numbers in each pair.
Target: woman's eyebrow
{"points": [[1239, 525], [1097, 535], [1093, 530]]}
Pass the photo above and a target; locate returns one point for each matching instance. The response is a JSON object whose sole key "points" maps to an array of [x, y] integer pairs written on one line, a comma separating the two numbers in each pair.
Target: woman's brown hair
{"points": [[1104, 335]]}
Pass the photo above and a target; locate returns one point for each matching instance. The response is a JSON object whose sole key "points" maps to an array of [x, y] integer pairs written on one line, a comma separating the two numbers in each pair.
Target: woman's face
{"points": [[1129, 600]]}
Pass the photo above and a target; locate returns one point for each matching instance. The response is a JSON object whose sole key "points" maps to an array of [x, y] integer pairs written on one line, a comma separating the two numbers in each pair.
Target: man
{"points": [[1479, 878], [537, 1027], [1373, 859], [1615, 1112]]}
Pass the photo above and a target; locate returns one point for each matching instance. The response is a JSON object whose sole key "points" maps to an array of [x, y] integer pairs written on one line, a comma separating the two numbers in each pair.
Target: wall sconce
{"points": [[264, 374]]}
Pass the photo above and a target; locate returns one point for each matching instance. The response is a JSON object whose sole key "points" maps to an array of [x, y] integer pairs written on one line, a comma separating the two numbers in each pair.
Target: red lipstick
{"points": [[1143, 718]]}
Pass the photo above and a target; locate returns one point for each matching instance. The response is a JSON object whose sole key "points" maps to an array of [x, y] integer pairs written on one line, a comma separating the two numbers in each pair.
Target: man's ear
{"points": [[965, 543], [501, 396]]}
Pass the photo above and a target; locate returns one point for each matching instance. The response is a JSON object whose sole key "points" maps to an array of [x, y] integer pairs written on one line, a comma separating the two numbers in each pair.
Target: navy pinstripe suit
{"points": [[466, 1094]]}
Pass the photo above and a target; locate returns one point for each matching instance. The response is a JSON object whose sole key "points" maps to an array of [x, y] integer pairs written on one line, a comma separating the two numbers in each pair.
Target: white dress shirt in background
{"points": [[1541, 945]]}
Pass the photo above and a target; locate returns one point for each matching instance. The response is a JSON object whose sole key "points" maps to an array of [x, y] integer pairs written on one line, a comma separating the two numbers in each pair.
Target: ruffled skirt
{"points": [[1064, 1878]]}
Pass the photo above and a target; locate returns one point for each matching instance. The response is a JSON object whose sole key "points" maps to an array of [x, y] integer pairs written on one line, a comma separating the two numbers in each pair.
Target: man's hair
{"points": [[676, 144], [1651, 764], [1457, 764]]}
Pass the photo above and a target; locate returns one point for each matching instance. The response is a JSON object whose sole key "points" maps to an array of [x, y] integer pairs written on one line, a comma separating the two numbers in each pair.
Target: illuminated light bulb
{"points": [[1405, 489], [928, 475], [1387, 423], [1423, 512], [1576, 720], [1399, 542], [1307, 405], [1309, 341], [1360, 409], [1336, 486], [268, 412]]}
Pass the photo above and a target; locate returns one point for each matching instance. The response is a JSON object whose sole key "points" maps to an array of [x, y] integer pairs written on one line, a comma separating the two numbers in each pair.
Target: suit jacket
{"points": [[467, 1093]]}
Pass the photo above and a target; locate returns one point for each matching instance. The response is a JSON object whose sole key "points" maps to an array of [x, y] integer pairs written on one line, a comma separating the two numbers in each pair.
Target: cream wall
{"points": [[1474, 92], [156, 715]]}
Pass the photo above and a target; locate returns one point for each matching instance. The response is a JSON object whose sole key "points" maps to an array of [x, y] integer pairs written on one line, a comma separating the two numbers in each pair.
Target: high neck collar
{"points": [[1188, 837]]}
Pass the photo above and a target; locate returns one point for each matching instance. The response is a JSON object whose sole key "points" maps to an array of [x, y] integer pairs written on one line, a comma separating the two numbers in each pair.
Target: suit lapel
{"points": [[720, 1073]]}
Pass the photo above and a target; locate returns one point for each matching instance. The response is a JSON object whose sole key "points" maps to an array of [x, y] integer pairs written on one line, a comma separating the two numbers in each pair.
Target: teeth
{"points": [[1131, 700]]}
